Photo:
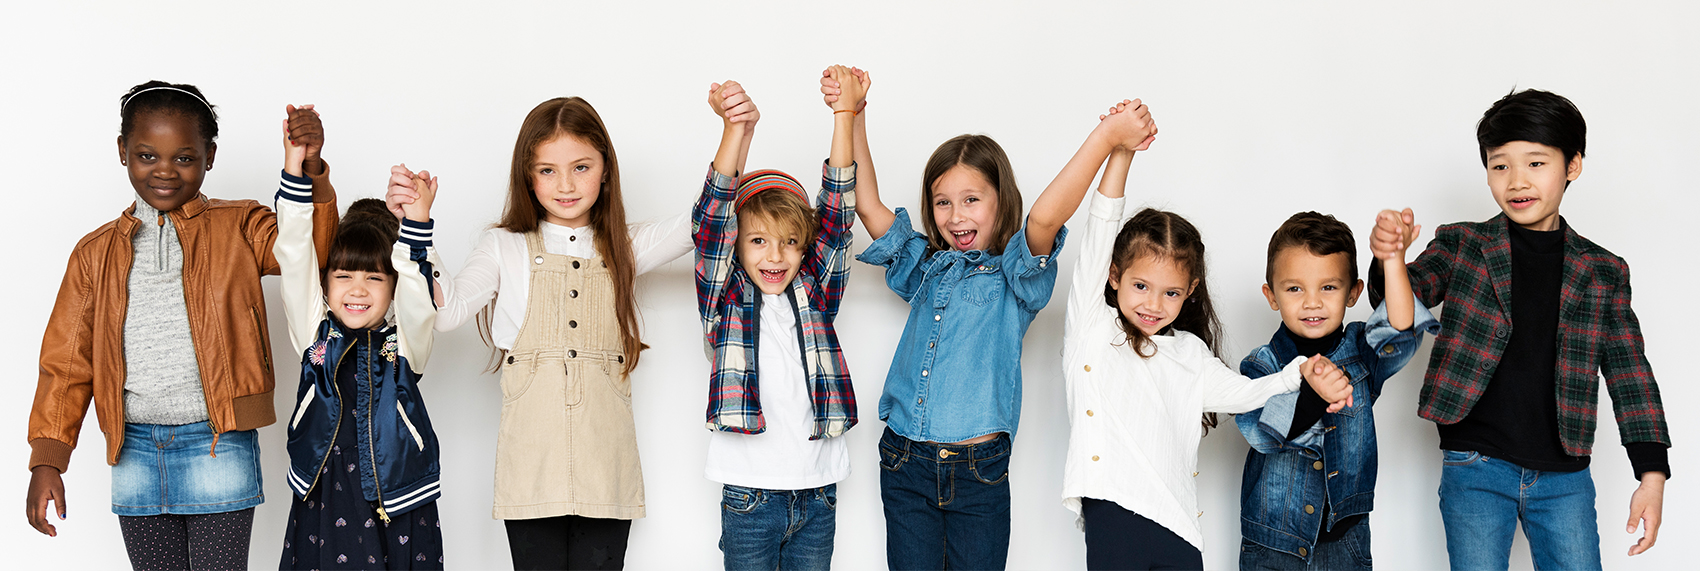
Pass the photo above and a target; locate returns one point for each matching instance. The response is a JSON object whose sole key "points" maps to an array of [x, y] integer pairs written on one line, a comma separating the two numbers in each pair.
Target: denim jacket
{"points": [[957, 371], [397, 448], [1286, 482]]}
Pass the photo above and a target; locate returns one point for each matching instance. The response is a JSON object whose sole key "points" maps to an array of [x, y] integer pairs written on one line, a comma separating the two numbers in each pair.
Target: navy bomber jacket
{"points": [[397, 449]]}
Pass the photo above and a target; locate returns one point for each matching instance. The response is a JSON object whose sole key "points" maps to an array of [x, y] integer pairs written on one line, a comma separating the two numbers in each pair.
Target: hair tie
{"points": [[132, 96]]}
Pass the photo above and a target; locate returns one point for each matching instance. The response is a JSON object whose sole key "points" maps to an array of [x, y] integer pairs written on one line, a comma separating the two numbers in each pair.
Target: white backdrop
{"points": [[1265, 110]]}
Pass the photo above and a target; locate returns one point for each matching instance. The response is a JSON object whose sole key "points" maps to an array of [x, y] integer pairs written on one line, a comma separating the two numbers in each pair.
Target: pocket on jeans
{"points": [[890, 458], [739, 500], [1456, 458], [992, 470], [829, 496]]}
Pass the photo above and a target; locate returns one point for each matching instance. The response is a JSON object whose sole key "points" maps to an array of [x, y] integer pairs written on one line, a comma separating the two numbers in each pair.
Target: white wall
{"points": [[1265, 110]]}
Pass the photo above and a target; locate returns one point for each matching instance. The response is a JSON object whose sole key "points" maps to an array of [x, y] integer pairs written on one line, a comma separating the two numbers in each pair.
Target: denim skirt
{"points": [[176, 470]]}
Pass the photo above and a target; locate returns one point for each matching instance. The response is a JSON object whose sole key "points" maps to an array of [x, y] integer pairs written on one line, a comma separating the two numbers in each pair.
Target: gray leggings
{"points": [[184, 542]]}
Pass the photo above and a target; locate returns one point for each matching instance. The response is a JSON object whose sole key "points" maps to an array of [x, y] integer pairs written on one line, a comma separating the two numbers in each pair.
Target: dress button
{"points": [[1317, 465], [930, 344], [510, 359], [937, 317], [1094, 458], [621, 359], [923, 373], [572, 324], [573, 293], [575, 264], [920, 400], [1309, 509], [572, 353], [1089, 412], [1303, 552], [538, 260]]}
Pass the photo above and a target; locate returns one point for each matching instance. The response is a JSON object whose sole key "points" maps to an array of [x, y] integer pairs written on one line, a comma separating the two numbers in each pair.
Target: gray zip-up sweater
{"points": [[162, 383]]}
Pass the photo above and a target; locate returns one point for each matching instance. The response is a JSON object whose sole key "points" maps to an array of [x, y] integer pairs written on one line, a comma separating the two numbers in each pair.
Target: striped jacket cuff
{"points": [[298, 189], [417, 234]]}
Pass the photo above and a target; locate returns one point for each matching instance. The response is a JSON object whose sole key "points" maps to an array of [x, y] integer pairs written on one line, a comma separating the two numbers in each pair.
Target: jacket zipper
{"points": [[371, 447], [183, 277], [339, 405]]}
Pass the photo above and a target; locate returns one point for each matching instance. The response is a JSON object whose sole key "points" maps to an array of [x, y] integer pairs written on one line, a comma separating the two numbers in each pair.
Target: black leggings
{"points": [[1120, 539], [568, 542], [183, 542]]}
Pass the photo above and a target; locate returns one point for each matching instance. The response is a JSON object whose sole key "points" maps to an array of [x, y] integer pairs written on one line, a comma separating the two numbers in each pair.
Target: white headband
{"points": [[168, 88]]}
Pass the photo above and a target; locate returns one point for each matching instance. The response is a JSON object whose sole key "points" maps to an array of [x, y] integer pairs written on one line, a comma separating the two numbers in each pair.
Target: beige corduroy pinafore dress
{"points": [[567, 443]]}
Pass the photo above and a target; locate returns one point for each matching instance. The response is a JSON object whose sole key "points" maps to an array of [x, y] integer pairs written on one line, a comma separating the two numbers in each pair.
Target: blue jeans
{"points": [[174, 470], [1351, 551], [778, 529], [946, 506], [1483, 498]]}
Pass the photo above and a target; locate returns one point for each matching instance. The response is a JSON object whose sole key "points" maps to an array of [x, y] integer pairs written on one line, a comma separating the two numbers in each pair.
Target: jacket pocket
{"points": [[263, 340], [401, 412], [301, 410]]}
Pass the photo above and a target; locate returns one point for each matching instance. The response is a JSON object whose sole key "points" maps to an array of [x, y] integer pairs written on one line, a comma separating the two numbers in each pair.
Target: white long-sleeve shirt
{"points": [[1134, 422], [500, 267]]}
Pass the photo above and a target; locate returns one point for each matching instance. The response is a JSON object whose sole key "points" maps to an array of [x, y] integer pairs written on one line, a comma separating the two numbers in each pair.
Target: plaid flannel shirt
{"points": [[1468, 267], [730, 305]]}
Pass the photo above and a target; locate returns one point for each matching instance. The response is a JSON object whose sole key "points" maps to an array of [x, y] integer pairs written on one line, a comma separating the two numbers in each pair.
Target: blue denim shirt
{"points": [[1335, 460], [957, 371]]}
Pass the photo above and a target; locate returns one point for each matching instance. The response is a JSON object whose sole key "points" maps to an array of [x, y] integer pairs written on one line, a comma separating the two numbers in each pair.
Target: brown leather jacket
{"points": [[227, 246]]}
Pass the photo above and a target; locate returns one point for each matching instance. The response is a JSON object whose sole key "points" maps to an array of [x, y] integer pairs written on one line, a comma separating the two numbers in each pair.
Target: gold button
{"points": [[1200, 514], [1317, 465], [1094, 458], [1088, 368], [1303, 552], [1310, 509], [1195, 474], [1088, 413], [1387, 350]]}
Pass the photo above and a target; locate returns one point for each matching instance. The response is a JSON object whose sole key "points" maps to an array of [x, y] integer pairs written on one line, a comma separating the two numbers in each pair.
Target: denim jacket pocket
{"points": [[1456, 458]]}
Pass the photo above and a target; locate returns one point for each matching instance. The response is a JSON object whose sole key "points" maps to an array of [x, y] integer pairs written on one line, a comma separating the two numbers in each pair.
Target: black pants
{"points": [[1120, 539], [568, 542], [182, 542]]}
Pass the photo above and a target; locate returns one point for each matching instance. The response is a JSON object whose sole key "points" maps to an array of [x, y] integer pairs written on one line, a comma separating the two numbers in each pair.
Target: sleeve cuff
{"points": [[50, 452], [1030, 264], [838, 179], [884, 250], [1291, 375], [297, 189], [1106, 208], [1647, 457], [417, 234], [724, 187]]}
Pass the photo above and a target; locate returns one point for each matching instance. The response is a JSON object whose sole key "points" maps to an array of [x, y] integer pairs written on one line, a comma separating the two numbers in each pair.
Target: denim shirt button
{"points": [[937, 317], [923, 372]]}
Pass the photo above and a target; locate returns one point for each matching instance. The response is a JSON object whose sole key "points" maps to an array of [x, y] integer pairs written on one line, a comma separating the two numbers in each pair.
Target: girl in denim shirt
{"points": [[974, 282]]}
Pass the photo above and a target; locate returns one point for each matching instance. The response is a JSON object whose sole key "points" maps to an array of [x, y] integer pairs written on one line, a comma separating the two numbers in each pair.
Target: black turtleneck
{"points": [[1309, 409]]}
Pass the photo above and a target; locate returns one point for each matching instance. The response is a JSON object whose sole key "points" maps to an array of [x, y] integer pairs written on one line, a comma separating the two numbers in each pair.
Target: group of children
{"points": [[160, 320]]}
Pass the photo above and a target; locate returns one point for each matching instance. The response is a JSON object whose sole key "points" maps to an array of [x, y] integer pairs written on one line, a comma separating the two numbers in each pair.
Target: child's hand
{"points": [[425, 192], [1123, 149], [1328, 381], [402, 189], [831, 88], [1394, 233], [305, 129], [852, 88], [733, 104], [1646, 508], [294, 153], [45, 485], [1129, 125]]}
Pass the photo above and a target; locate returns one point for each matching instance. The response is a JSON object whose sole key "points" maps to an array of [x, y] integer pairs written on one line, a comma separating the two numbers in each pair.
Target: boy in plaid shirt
{"points": [[1533, 314], [770, 273]]}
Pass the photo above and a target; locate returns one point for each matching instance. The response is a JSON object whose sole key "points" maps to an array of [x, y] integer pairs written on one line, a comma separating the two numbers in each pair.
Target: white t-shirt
{"points": [[781, 457], [500, 264]]}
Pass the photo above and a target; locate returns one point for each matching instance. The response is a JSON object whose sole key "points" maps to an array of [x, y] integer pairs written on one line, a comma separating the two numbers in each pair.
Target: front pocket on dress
{"points": [[981, 288]]}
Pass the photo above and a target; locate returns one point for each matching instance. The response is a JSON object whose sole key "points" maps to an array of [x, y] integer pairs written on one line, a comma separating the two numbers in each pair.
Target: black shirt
{"points": [[1516, 418]]}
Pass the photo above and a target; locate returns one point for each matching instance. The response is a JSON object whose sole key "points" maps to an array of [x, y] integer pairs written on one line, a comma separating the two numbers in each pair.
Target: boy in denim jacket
{"points": [[1309, 479], [1534, 313]]}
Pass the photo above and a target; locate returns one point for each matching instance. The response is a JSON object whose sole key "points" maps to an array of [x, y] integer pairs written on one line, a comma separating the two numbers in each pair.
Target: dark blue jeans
{"points": [[778, 529], [1351, 551], [1482, 499], [946, 506]]}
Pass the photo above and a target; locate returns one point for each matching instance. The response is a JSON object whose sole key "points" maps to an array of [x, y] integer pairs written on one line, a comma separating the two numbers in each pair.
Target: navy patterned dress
{"points": [[336, 528]]}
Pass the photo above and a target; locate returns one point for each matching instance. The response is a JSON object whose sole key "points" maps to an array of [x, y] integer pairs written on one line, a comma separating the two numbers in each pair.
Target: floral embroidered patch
{"points": [[316, 354], [389, 349]]}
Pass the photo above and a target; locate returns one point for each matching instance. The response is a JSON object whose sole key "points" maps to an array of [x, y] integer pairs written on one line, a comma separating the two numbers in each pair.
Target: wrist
{"points": [[1653, 480]]}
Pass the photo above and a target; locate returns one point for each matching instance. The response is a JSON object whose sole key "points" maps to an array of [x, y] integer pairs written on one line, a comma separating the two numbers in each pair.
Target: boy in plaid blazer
{"points": [[770, 273], [1534, 313]]}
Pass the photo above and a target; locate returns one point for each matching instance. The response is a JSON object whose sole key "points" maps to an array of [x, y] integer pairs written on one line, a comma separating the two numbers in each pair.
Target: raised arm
{"points": [[738, 115], [876, 217], [714, 223], [295, 252], [1129, 127], [1394, 234], [414, 258]]}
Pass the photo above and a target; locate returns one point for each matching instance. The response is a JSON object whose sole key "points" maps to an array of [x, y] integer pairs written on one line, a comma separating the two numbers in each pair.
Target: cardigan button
{"points": [[1094, 458], [1088, 412], [1310, 509], [1088, 368], [1317, 465]]}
